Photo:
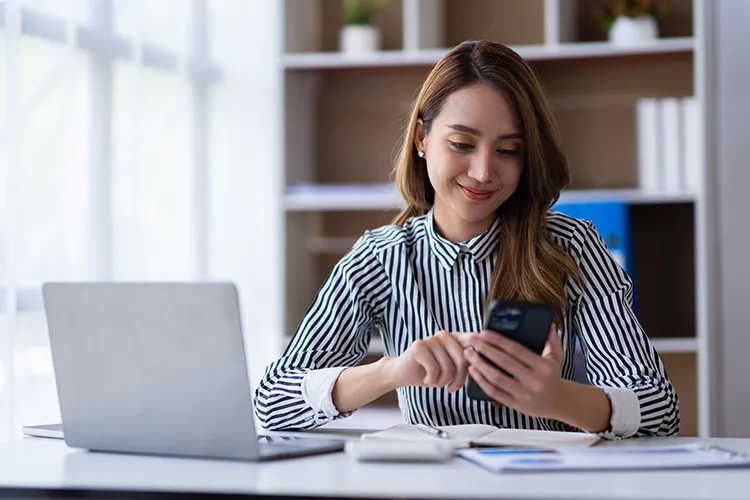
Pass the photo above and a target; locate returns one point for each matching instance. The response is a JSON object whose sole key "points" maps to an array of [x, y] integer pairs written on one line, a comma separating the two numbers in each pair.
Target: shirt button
{"points": [[464, 249]]}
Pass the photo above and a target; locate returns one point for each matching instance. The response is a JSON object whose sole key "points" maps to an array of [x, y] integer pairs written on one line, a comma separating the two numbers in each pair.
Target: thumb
{"points": [[553, 349]]}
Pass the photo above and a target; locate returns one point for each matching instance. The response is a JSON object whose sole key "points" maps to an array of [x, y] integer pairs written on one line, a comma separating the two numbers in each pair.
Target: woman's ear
{"points": [[419, 137]]}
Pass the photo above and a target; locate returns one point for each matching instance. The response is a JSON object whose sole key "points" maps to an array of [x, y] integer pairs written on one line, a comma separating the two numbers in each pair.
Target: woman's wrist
{"points": [[583, 406], [385, 374], [361, 385]]}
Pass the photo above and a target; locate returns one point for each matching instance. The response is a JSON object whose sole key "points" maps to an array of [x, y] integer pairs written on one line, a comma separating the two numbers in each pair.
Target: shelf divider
{"points": [[429, 56], [384, 196]]}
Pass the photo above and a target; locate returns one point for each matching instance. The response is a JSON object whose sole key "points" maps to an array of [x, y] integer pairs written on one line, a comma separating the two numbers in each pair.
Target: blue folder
{"points": [[611, 221]]}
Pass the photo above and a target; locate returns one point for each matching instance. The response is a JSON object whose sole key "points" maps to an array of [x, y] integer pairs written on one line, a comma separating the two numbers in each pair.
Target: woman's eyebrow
{"points": [[470, 130]]}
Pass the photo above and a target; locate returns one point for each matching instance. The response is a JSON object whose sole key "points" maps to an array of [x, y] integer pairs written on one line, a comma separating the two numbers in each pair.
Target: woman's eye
{"points": [[460, 146], [508, 152]]}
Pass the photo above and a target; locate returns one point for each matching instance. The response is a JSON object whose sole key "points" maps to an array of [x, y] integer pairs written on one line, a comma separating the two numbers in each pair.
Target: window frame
{"points": [[106, 47]]}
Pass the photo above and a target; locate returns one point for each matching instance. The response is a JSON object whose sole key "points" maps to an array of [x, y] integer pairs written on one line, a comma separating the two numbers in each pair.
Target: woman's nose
{"points": [[480, 169]]}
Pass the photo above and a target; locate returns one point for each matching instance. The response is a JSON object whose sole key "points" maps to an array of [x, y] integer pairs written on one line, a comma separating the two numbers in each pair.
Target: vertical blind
{"points": [[122, 125]]}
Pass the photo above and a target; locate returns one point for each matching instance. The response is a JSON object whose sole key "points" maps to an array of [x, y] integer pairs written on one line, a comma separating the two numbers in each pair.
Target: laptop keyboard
{"points": [[294, 445], [264, 439]]}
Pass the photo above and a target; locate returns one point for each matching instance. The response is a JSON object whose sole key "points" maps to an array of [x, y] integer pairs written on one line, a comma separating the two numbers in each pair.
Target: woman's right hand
{"points": [[437, 361]]}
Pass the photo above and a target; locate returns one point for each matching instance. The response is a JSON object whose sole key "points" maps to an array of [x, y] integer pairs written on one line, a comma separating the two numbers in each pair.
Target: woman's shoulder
{"points": [[578, 236], [392, 236], [566, 229]]}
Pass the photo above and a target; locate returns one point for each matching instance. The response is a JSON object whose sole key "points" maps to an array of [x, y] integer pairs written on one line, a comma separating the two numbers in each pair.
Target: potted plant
{"points": [[629, 22], [358, 33]]}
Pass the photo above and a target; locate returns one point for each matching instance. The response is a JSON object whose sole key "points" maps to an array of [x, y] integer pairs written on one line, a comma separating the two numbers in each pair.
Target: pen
{"points": [[433, 431]]}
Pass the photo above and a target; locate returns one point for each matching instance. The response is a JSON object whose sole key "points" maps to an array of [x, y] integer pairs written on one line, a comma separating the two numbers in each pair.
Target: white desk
{"points": [[46, 467]]}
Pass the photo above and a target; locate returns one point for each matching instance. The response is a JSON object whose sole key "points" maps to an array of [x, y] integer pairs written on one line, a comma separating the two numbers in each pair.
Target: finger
{"points": [[518, 351], [447, 367], [424, 358], [494, 376], [464, 338], [504, 360], [496, 394], [453, 347], [554, 348]]}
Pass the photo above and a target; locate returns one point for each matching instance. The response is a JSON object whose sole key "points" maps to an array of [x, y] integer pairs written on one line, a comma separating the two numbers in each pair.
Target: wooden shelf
{"points": [[631, 196], [362, 197], [338, 106], [563, 51], [676, 345], [338, 197], [334, 245]]}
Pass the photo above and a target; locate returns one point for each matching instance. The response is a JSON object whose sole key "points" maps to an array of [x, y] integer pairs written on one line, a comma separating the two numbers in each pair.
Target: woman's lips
{"points": [[477, 194]]}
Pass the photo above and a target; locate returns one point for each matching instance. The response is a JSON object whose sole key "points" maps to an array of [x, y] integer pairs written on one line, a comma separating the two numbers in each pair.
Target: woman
{"points": [[480, 166]]}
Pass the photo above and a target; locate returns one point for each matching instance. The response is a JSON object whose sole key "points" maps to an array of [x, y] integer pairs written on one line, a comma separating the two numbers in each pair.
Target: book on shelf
{"points": [[693, 147], [669, 147], [671, 139]]}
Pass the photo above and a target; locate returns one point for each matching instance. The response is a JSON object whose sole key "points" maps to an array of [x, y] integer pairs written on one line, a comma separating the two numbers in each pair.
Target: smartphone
{"points": [[527, 323]]}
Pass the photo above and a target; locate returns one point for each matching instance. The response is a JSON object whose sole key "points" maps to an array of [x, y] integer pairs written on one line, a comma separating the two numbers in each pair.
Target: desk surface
{"points": [[38, 465]]}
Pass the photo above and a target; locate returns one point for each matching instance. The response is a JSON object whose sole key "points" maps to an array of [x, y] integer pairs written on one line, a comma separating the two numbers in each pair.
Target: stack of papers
{"points": [[690, 456]]}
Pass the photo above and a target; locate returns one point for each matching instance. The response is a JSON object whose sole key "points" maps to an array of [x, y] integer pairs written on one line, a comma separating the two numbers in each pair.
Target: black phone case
{"points": [[527, 323]]}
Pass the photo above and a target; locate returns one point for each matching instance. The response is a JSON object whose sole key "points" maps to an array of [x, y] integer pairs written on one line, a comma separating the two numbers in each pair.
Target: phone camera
{"points": [[507, 318]]}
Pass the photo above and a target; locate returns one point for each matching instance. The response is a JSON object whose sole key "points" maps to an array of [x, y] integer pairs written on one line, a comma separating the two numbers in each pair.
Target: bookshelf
{"points": [[426, 57], [384, 196], [343, 117]]}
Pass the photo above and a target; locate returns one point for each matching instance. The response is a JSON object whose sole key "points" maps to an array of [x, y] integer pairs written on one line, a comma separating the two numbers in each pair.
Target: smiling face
{"points": [[474, 159]]}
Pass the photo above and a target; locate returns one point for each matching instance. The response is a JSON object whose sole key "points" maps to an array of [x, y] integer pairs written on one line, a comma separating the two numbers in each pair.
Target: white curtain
{"points": [[136, 155]]}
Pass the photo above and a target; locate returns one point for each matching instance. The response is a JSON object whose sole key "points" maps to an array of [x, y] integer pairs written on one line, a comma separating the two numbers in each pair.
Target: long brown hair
{"points": [[530, 266]]}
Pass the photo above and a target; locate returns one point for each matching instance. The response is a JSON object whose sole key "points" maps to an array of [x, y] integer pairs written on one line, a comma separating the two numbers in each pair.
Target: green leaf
{"points": [[361, 11]]}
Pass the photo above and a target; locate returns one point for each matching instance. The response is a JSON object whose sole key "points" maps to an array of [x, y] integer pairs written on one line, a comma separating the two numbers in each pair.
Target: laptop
{"points": [[157, 368]]}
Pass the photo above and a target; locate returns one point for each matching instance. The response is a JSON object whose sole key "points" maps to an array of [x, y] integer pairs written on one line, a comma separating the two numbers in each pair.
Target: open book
{"points": [[475, 435]]}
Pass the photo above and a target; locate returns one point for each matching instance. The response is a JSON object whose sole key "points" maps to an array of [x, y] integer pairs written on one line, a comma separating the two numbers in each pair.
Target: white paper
{"points": [[605, 458]]}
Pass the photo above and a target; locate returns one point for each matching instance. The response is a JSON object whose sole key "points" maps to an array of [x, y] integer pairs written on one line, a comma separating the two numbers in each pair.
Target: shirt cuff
{"points": [[626, 413], [317, 387]]}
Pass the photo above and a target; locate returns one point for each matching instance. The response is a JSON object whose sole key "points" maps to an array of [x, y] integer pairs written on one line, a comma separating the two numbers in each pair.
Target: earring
{"points": [[420, 154]]}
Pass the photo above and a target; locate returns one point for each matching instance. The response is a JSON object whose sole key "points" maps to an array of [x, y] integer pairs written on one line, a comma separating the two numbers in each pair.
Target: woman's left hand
{"points": [[535, 387]]}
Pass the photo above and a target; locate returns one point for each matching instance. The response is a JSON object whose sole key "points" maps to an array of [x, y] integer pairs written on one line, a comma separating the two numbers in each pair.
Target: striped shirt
{"points": [[409, 283]]}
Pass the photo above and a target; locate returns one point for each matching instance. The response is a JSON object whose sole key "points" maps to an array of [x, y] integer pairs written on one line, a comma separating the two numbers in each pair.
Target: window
{"points": [[110, 113], [153, 175]]}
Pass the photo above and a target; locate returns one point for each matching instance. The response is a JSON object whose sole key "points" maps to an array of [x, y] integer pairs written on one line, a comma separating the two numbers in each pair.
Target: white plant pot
{"points": [[358, 39], [628, 31]]}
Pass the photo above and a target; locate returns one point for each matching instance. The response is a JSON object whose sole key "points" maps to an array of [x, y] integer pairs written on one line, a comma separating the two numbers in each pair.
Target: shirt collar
{"points": [[446, 251]]}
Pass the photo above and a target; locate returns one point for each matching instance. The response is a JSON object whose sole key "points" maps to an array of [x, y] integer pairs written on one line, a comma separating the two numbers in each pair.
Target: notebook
{"points": [[477, 435]]}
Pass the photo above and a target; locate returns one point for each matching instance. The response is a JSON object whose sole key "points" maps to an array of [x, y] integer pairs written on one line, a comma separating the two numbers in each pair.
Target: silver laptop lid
{"points": [[151, 368]]}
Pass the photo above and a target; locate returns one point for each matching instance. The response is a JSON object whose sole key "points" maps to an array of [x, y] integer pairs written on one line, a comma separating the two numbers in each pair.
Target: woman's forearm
{"points": [[584, 406], [360, 385]]}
